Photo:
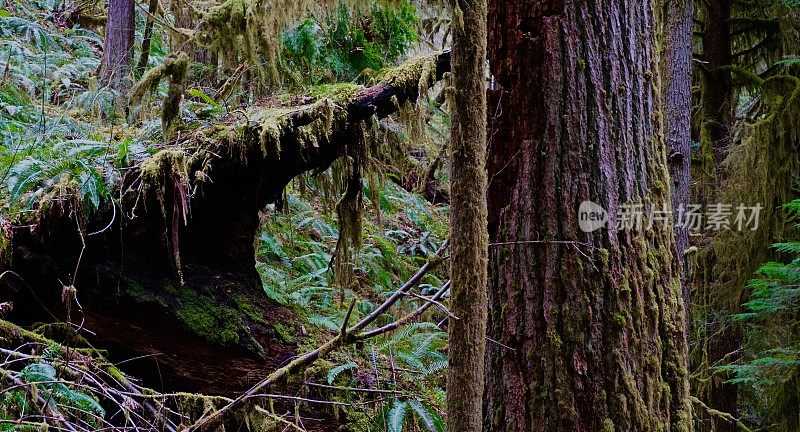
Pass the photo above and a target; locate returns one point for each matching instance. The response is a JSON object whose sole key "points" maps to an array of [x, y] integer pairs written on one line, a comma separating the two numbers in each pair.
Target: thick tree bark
{"points": [[590, 326], [468, 235], [677, 94], [118, 45], [677, 101]]}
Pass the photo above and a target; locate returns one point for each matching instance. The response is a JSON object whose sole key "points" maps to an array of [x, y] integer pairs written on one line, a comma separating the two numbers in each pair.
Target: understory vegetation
{"points": [[66, 143]]}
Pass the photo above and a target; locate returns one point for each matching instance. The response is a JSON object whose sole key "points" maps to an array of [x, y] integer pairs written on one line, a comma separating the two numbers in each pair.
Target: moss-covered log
{"points": [[168, 268]]}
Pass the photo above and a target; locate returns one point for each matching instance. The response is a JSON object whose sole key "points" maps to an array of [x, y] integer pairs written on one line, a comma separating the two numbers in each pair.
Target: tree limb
{"points": [[345, 337]]}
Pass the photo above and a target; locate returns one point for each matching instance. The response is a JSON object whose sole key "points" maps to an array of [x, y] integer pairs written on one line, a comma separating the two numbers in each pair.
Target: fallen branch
{"points": [[345, 337], [723, 415]]}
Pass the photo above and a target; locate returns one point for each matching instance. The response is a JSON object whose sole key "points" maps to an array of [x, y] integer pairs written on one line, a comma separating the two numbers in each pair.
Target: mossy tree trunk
{"points": [[147, 38], [717, 98], [717, 109], [468, 234], [118, 45], [589, 326]]}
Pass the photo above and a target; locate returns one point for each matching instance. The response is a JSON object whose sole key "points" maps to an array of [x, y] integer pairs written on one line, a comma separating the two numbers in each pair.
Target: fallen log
{"points": [[164, 272]]}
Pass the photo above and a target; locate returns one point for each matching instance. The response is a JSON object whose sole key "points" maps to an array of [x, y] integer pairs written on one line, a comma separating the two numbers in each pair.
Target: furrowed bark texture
{"points": [[677, 102], [468, 236], [118, 45], [677, 94], [593, 332]]}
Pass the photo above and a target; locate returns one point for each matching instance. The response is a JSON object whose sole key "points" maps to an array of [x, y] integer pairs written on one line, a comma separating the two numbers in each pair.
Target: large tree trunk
{"points": [[468, 235], [589, 326], [118, 45]]}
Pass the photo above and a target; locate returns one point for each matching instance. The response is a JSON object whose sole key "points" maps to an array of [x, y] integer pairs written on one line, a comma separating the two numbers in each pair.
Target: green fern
{"points": [[336, 371], [397, 416], [427, 416]]}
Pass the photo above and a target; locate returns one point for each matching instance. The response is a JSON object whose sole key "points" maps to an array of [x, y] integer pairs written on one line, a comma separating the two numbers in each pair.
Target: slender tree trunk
{"points": [[118, 45], [717, 100], [468, 236], [677, 100], [717, 113], [677, 88], [589, 325], [147, 38]]}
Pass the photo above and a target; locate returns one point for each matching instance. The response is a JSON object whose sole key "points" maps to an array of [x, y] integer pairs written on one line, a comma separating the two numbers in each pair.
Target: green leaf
{"points": [[38, 372]]}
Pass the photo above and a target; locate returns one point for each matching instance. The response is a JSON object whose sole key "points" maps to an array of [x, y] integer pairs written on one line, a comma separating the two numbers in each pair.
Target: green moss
{"points": [[603, 255], [418, 73], [164, 162], [10, 332], [340, 93], [283, 334], [249, 309], [141, 295], [116, 374], [5, 248], [209, 320], [608, 425], [619, 320], [174, 69]]}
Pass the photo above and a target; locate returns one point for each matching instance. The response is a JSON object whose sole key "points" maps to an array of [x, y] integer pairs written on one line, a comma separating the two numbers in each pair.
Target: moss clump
{"points": [[249, 309], [215, 323], [138, 293], [11, 333], [418, 73], [608, 425], [174, 69], [602, 256], [340, 93], [116, 374], [282, 333], [162, 163]]}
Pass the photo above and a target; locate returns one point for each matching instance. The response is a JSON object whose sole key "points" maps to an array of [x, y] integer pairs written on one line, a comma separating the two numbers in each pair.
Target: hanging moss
{"points": [[164, 163], [174, 69], [6, 244], [762, 169], [349, 212]]}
